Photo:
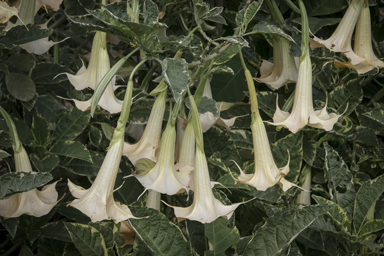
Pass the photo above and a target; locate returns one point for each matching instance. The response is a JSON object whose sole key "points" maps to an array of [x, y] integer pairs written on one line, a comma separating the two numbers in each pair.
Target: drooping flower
{"points": [[91, 76], [304, 197], [166, 177], [208, 119], [149, 142], [187, 151], [363, 45], [283, 70], [6, 12], [266, 173], [302, 112], [26, 10], [341, 39], [98, 202], [205, 207], [34, 202]]}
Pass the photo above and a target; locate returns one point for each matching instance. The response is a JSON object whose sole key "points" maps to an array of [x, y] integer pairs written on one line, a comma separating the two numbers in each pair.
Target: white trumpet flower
{"points": [[34, 202], [26, 10], [187, 151], [363, 45], [91, 76], [97, 202], [266, 173], [149, 142], [304, 197], [6, 12], [208, 119], [340, 41], [283, 70], [302, 112], [205, 207], [166, 177]]}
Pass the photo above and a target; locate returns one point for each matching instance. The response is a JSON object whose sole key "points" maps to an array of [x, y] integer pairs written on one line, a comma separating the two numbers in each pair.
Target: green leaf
{"points": [[49, 108], [215, 140], [95, 135], [267, 102], [264, 27], [106, 230], [227, 55], [50, 247], [17, 182], [160, 235], [86, 168], [349, 94], [376, 114], [251, 11], [10, 225], [242, 139], [45, 73], [222, 70], [71, 124], [24, 34], [227, 87], [72, 213], [87, 239], [221, 236], [371, 227], [281, 229], [200, 10], [40, 130], [130, 188], [72, 149], [4, 154], [151, 12], [23, 62], [214, 15], [46, 164], [366, 198], [20, 86], [315, 24], [77, 7], [324, 7], [293, 143], [339, 179], [196, 236], [175, 73], [236, 40], [206, 105]]}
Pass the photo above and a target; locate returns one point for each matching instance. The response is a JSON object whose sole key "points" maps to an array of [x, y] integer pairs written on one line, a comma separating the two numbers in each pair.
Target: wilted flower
{"points": [[166, 177], [208, 119], [26, 10], [97, 202], [363, 45], [34, 202], [283, 70], [266, 174], [91, 76], [302, 112], [150, 140]]}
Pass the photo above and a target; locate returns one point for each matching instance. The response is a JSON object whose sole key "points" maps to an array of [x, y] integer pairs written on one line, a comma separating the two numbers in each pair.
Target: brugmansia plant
{"points": [[260, 127]]}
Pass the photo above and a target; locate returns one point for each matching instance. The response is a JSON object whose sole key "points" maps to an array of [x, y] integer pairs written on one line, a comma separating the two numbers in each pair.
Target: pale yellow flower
{"points": [[166, 177], [34, 202], [90, 77], [283, 70], [149, 142], [6, 12], [97, 202]]}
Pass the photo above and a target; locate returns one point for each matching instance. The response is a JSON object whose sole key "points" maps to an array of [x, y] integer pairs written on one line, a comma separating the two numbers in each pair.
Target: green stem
{"points": [[209, 57], [147, 78], [304, 31], [276, 14], [251, 87], [17, 146], [292, 6]]}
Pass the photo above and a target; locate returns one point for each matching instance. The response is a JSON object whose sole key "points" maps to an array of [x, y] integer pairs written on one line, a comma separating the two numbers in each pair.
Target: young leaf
{"points": [[251, 11], [175, 72]]}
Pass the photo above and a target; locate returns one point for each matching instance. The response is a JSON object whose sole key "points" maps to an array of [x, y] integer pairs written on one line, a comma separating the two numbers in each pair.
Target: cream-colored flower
{"points": [[149, 143], [97, 202], [187, 151], [205, 207], [166, 177], [91, 76], [283, 70], [304, 197], [26, 10], [208, 119], [340, 41], [302, 112], [363, 45], [34, 202], [266, 173], [6, 12]]}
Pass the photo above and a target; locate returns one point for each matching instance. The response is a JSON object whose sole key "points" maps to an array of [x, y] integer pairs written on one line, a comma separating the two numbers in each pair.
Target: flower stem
{"points": [[17, 146], [304, 31]]}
